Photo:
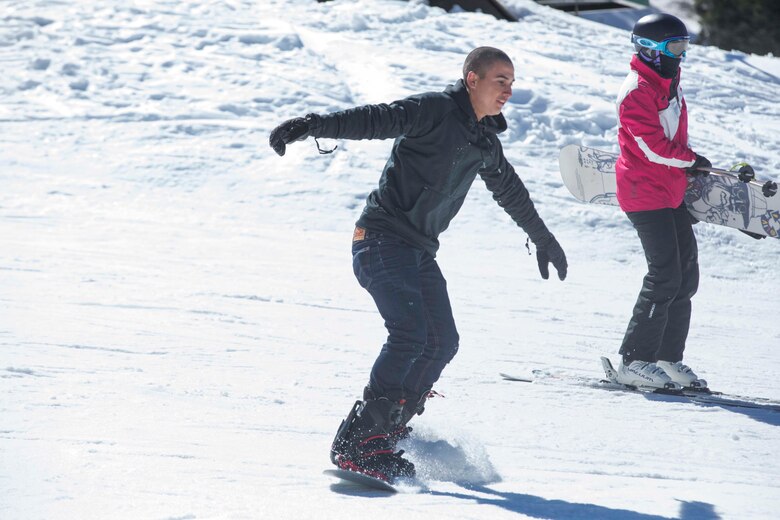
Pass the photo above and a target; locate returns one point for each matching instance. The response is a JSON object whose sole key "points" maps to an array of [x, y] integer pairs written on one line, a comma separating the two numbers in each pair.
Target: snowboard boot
{"points": [[411, 407], [682, 374], [646, 374], [365, 441], [414, 406]]}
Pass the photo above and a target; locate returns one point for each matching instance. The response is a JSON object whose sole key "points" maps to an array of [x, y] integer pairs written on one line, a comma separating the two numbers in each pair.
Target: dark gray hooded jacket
{"points": [[439, 149]]}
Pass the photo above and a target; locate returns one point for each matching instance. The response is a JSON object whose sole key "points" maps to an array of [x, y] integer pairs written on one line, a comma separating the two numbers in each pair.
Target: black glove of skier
{"points": [[290, 131], [700, 162], [551, 251]]}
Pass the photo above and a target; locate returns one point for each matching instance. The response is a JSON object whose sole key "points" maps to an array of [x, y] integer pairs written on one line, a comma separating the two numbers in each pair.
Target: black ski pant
{"points": [[411, 295], [659, 326]]}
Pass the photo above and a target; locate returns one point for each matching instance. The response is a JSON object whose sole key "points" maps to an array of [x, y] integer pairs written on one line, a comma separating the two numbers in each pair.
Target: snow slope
{"points": [[180, 330]]}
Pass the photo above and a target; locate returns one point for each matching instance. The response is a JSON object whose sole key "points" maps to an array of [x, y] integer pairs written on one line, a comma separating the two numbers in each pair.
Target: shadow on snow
{"points": [[768, 413], [538, 507]]}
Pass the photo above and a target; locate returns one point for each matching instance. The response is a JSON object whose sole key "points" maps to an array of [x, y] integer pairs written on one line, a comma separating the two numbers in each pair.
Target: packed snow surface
{"points": [[180, 329]]}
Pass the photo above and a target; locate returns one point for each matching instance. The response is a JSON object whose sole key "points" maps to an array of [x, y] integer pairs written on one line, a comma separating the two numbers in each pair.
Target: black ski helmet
{"points": [[658, 27]]}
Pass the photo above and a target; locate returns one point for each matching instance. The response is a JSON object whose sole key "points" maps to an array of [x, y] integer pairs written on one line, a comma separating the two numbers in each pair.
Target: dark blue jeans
{"points": [[411, 295]]}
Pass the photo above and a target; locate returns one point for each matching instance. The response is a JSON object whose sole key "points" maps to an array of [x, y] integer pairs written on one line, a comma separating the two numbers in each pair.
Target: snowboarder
{"points": [[652, 175], [442, 141]]}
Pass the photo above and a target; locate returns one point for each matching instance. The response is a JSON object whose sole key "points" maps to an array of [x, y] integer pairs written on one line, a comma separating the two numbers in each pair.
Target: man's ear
{"points": [[471, 79]]}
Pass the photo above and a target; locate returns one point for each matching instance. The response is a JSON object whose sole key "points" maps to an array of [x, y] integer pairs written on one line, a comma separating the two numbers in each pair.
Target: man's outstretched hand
{"points": [[292, 130], [550, 251]]}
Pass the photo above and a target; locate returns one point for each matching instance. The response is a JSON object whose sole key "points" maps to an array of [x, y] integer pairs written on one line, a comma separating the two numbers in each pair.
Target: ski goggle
{"points": [[672, 47]]}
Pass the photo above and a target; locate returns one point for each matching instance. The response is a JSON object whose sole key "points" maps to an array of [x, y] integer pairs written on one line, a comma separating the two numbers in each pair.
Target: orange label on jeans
{"points": [[359, 234]]}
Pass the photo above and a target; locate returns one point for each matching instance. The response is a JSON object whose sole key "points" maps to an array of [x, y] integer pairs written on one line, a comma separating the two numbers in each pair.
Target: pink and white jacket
{"points": [[653, 137]]}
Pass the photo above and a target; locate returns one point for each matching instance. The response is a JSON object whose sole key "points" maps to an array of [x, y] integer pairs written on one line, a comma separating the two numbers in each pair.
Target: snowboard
{"points": [[361, 479], [717, 198]]}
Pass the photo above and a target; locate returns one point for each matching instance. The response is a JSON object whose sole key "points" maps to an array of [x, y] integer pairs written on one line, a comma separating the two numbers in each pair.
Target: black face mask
{"points": [[668, 67], [665, 66]]}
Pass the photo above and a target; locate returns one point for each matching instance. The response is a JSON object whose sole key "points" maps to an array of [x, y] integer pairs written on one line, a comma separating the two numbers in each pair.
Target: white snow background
{"points": [[180, 329]]}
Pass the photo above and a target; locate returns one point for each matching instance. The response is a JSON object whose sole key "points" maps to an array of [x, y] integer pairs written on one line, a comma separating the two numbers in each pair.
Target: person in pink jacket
{"points": [[652, 176]]}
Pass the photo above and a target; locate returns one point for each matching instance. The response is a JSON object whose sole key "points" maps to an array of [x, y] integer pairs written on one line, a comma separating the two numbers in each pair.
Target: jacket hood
{"points": [[491, 124]]}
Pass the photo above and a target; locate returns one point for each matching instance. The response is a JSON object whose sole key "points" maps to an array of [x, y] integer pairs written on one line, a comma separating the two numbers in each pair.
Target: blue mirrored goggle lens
{"points": [[673, 47], [676, 47]]}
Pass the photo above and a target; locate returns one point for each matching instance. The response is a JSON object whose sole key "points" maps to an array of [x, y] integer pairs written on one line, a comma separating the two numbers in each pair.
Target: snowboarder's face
{"points": [[489, 93]]}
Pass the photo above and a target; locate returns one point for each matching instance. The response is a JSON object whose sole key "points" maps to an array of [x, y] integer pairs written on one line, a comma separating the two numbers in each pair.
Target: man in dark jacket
{"points": [[442, 141]]}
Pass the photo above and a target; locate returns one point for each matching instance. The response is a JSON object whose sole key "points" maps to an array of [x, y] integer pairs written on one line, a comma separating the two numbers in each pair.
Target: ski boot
{"points": [[682, 374], [645, 374]]}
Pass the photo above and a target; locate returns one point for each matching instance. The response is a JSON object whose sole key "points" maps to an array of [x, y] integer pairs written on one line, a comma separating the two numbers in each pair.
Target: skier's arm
{"points": [[639, 117]]}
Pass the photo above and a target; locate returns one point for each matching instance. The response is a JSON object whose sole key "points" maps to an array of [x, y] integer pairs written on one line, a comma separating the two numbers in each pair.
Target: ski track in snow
{"points": [[180, 329]]}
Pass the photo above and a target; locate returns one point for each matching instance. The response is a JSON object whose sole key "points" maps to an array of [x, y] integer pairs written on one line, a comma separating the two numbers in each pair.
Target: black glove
{"points": [[752, 235], [700, 162], [290, 131], [551, 251]]}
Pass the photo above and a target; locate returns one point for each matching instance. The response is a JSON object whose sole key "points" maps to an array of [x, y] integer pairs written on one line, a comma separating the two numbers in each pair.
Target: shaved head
{"points": [[481, 59]]}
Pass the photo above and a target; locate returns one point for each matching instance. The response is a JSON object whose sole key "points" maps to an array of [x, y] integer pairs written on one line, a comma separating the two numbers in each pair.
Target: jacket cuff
{"points": [[315, 123], [539, 234]]}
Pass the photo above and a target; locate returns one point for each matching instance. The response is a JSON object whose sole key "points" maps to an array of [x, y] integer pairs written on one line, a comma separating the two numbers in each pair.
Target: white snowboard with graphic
{"points": [[589, 175]]}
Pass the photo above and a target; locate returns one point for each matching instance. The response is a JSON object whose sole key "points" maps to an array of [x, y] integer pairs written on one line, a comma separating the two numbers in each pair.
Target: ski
{"points": [[700, 395], [609, 382], [509, 377]]}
